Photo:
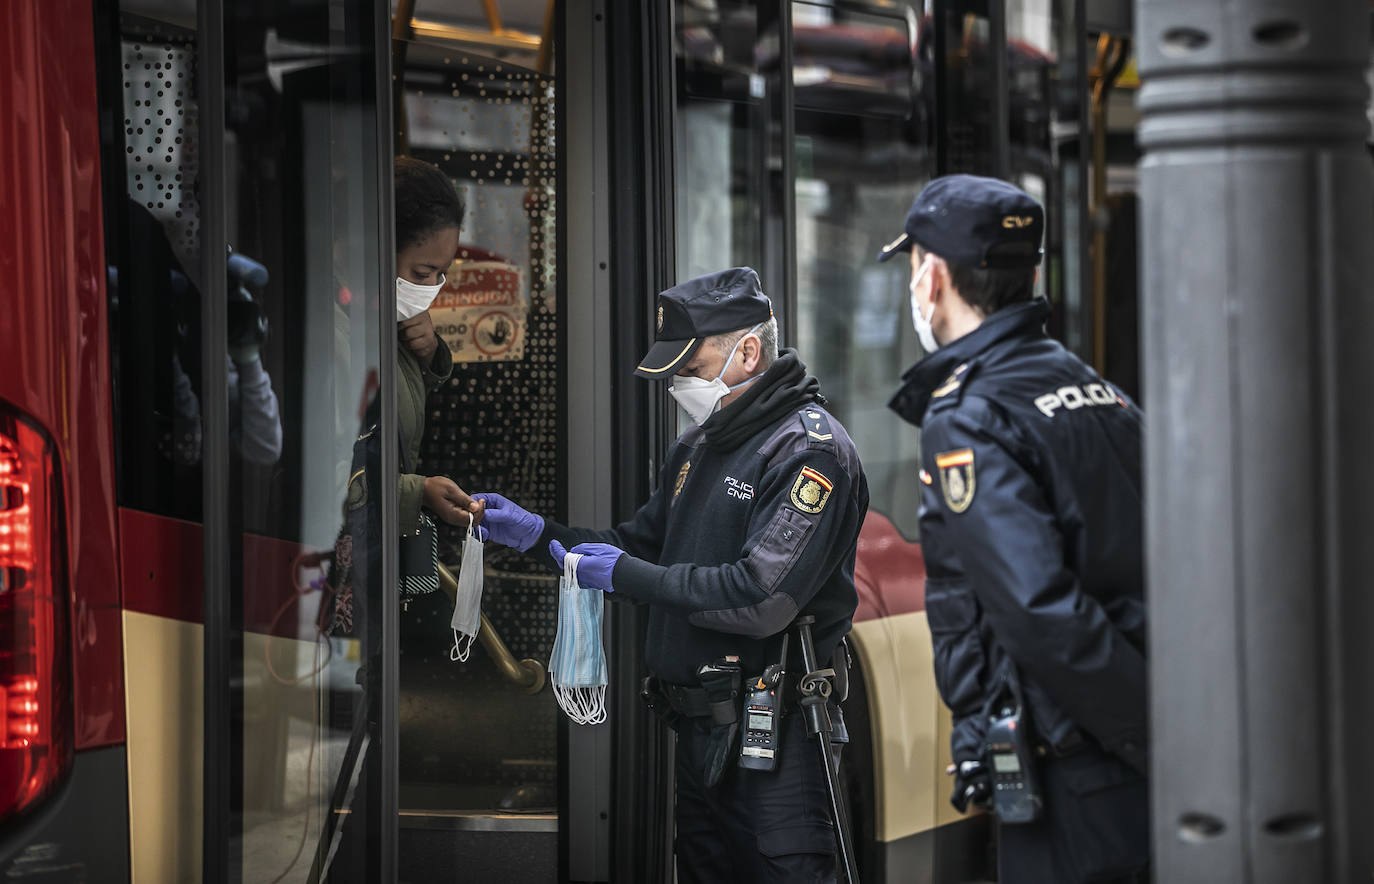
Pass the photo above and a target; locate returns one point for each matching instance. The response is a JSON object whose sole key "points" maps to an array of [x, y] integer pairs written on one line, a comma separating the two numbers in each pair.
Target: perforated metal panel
{"points": [[159, 128]]}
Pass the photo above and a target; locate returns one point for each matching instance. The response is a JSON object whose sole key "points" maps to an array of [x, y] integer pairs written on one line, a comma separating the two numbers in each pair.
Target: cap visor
{"points": [[665, 358], [900, 244]]}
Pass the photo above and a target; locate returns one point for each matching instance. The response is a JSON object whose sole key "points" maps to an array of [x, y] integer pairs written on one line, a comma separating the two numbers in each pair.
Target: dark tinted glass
{"points": [[301, 209]]}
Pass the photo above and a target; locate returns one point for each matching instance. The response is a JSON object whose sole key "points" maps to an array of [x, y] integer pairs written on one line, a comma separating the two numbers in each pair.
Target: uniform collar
{"points": [[1021, 320]]}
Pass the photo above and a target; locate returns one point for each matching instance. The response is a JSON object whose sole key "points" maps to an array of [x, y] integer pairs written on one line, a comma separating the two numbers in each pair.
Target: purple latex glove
{"points": [[509, 524], [595, 567]]}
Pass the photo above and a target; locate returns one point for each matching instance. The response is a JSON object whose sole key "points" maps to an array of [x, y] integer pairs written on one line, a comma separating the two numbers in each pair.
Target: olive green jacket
{"points": [[413, 387]]}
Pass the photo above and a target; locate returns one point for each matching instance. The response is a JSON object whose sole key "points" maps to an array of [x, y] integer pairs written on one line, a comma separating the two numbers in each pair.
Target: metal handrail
{"points": [[527, 674]]}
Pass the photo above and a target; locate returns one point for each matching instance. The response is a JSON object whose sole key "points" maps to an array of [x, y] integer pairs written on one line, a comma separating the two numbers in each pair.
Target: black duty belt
{"points": [[685, 701], [1074, 743], [690, 702]]}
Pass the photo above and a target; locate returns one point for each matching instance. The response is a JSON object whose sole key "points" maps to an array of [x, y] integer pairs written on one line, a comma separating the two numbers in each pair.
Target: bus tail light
{"points": [[35, 656]]}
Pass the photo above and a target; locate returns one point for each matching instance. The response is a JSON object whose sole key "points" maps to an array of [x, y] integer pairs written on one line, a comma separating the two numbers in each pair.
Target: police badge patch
{"points": [[956, 478], [681, 478], [811, 491]]}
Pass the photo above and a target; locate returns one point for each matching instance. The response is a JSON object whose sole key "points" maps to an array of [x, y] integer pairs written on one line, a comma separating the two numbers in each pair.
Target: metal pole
{"points": [[814, 687], [220, 863], [1258, 251]]}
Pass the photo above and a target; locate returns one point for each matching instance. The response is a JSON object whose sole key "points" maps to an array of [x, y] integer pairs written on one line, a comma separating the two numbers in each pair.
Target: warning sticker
{"points": [[482, 312]]}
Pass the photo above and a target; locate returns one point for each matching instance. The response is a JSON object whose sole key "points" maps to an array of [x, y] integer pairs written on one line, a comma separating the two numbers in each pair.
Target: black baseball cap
{"points": [[973, 221], [691, 311]]}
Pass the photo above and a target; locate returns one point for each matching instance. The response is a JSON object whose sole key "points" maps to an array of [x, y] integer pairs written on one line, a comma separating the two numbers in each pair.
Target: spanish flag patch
{"points": [[956, 478], [811, 491]]}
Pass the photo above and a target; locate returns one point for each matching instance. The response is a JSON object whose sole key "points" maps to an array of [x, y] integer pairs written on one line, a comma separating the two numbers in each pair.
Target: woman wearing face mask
{"points": [[429, 213]]}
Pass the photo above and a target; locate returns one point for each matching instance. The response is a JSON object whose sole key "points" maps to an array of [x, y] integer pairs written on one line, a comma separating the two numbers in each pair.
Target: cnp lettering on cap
{"points": [[973, 221]]}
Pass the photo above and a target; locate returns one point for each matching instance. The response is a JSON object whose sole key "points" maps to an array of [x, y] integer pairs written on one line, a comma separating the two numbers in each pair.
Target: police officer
{"points": [[1031, 530], [755, 519]]}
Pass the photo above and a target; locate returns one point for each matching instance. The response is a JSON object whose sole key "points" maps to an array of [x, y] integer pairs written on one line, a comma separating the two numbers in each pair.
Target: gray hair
{"points": [[768, 338]]}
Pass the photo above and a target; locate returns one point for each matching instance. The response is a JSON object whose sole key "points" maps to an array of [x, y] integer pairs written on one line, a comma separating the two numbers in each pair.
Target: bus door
{"points": [[479, 740]]}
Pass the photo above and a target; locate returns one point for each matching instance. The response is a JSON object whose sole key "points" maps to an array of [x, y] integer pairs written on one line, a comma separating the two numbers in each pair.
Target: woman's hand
{"points": [[445, 499], [417, 334]]}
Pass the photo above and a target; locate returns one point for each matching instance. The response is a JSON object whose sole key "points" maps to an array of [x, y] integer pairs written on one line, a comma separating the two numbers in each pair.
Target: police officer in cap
{"points": [[1031, 530], [755, 519]]}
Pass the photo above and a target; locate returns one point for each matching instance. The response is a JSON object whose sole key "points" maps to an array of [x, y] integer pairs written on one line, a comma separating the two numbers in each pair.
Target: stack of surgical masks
{"points": [[577, 666], [467, 607]]}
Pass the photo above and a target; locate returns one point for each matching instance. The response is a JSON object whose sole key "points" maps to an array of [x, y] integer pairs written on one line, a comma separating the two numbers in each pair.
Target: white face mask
{"points": [[919, 320], [699, 397], [412, 299]]}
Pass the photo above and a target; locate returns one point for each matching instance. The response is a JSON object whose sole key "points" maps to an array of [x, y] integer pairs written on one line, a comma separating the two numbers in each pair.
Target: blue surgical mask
{"points": [[577, 665], [699, 397]]}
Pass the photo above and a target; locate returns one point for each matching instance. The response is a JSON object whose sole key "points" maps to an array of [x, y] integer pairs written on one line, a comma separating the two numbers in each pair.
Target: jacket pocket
{"points": [[960, 660], [783, 541]]}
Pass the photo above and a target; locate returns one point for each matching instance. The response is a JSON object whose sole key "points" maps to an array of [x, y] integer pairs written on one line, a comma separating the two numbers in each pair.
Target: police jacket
{"points": [[755, 519], [1031, 530]]}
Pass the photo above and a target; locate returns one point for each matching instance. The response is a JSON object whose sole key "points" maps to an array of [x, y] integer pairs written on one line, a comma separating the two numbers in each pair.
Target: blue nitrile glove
{"points": [[508, 524], [595, 567]]}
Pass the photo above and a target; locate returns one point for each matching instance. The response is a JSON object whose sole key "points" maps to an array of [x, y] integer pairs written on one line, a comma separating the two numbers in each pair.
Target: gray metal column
{"points": [[1258, 333], [590, 385]]}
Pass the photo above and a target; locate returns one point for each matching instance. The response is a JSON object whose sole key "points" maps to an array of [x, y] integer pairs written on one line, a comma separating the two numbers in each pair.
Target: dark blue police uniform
{"points": [[1031, 527], [755, 519]]}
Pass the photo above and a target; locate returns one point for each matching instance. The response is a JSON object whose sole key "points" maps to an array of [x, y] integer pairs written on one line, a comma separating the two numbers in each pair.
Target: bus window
{"points": [[153, 247], [729, 164], [855, 178]]}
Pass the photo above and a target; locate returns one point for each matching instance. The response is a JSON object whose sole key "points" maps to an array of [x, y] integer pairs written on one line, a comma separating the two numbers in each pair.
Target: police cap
{"points": [[691, 311], [973, 221]]}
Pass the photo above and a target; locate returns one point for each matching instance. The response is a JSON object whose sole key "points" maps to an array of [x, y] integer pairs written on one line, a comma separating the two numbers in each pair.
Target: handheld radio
{"points": [[1011, 761], [759, 748]]}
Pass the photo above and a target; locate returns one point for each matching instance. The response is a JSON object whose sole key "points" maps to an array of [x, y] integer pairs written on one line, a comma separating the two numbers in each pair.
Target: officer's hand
{"points": [[445, 499], [509, 524], [972, 786], [596, 565], [417, 335]]}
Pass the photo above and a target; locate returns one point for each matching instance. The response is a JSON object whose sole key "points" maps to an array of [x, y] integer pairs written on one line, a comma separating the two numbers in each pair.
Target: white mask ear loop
{"points": [[919, 320]]}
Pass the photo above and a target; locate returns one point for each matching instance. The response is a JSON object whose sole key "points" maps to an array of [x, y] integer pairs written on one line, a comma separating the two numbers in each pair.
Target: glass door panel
{"points": [[479, 739], [302, 169]]}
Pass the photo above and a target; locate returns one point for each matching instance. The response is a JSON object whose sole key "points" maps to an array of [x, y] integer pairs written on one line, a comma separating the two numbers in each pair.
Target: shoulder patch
{"points": [[956, 478], [951, 383], [357, 491], [817, 425], [811, 491]]}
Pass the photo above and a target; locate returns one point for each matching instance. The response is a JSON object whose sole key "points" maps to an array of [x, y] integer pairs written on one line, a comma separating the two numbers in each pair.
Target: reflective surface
{"points": [[301, 209], [856, 176], [729, 163]]}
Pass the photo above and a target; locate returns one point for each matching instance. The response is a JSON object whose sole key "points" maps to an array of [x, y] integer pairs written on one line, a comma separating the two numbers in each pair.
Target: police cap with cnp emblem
{"points": [[691, 311], [972, 221]]}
